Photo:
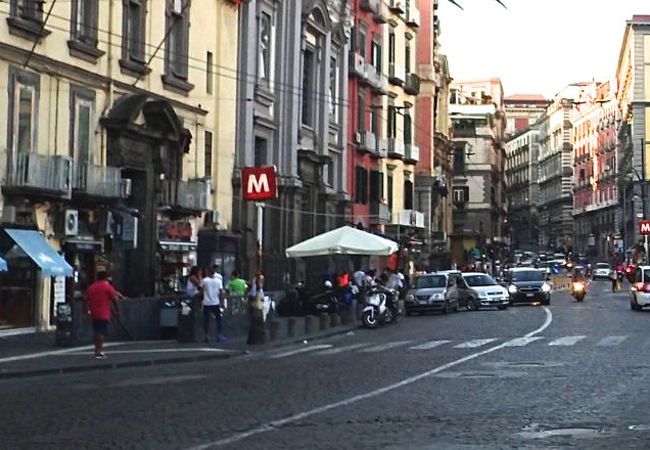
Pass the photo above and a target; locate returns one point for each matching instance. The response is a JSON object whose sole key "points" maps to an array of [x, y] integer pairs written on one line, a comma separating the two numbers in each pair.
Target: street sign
{"points": [[644, 227], [259, 183]]}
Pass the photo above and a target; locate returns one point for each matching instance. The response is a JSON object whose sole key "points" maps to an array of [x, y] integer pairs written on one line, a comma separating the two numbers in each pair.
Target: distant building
{"points": [[478, 192], [523, 110]]}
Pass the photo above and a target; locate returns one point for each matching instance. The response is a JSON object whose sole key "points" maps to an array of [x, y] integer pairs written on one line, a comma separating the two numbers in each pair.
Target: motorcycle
{"points": [[578, 290], [380, 308]]}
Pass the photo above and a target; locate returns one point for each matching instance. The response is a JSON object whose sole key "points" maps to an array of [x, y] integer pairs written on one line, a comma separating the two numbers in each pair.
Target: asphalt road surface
{"points": [[570, 375]]}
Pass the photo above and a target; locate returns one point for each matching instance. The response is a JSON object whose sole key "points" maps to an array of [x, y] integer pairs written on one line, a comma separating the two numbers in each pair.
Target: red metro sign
{"points": [[644, 227], [259, 183]]}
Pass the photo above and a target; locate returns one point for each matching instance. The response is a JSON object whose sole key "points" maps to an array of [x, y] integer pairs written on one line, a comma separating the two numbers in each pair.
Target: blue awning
{"points": [[34, 244], [3, 265]]}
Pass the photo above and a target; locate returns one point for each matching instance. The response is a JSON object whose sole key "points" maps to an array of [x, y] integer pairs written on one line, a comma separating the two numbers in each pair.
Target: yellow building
{"points": [[119, 138]]}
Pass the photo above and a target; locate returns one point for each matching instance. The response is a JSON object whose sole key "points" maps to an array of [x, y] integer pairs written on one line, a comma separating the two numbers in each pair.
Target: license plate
{"points": [[530, 295], [424, 302]]}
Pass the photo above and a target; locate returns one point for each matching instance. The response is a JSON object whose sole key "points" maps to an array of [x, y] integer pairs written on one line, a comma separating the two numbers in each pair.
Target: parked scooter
{"points": [[380, 307]]}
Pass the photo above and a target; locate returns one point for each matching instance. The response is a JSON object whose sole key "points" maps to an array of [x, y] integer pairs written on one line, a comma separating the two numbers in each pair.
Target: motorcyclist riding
{"points": [[578, 283]]}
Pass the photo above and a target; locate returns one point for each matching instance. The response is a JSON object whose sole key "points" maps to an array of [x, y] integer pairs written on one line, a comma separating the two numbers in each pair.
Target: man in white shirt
{"points": [[212, 287]]}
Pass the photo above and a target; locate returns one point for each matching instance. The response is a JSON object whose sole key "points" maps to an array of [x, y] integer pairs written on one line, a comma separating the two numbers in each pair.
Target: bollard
{"points": [[291, 327], [323, 321], [309, 324], [274, 329], [335, 320]]}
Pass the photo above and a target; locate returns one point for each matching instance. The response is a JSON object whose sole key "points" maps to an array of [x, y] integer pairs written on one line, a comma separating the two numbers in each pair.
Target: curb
{"points": [[159, 362]]}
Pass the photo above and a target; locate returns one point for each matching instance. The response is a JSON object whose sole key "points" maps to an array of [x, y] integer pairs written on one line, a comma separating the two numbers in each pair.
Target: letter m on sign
{"points": [[644, 227], [259, 183]]}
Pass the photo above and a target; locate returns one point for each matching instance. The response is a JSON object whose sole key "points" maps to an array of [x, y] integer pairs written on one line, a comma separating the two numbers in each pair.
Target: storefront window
{"points": [[17, 295]]}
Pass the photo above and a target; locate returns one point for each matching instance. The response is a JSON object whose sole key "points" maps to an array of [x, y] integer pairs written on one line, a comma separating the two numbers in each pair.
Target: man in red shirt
{"points": [[99, 297]]}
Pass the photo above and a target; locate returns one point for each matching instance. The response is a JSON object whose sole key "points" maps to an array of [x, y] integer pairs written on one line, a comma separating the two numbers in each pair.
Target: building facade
{"points": [[596, 212], [523, 110], [479, 195], [556, 170], [292, 113], [633, 75], [522, 152], [433, 175], [108, 145]]}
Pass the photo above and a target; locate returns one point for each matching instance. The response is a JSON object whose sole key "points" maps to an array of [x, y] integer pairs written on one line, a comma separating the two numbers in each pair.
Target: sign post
{"points": [[258, 184], [644, 229]]}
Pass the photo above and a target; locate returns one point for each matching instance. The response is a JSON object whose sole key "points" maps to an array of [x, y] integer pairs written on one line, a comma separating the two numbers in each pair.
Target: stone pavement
{"points": [[37, 355]]}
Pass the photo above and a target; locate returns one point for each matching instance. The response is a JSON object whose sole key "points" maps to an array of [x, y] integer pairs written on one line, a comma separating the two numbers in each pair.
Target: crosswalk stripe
{"points": [[429, 345], [386, 346], [474, 343], [567, 340], [334, 351], [522, 341], [611, 341], [311, 348]]}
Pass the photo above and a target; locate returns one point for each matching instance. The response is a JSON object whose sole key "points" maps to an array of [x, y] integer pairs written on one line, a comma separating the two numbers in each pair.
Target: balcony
{"points": [[411, 153], [357, 65], [412, 85], [100, 181], [370, 74], [187, 195], [409, 218], [395, 148], [40, 174], [379, 213], [382, 149], [396, 74], [378, 82], [413, 16], [380, 16], [368, 142], [370, 5], [396, 6]]}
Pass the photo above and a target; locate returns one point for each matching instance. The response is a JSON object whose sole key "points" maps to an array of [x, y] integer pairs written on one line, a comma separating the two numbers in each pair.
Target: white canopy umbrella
{"points": [[343, 241]]}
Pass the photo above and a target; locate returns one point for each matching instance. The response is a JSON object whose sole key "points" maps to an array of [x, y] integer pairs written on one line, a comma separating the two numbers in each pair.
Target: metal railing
{"points": [[411, 153], [412, 84], [193, 195], [379, 213], [395, 148], [99, 181], [368, 141], [52, 174]]}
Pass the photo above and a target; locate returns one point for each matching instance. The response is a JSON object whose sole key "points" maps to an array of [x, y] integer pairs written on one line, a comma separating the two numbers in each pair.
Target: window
{"points": [[333, 86], [207, 156], [391, 47], [362, 42], [307, 87], [460, 195], [361, 186], [459, 159], [133, 36], [84, 21], [389, 189], [330, 171], [374, 119], [376, 186], [361, 111], [407, 129], [264, 63], [407, 58], [392, 121], [260, 157], [376, 56], [408, 194], [83, 130], [178, 27], [28, 9], [209, 74], [23, 110]]}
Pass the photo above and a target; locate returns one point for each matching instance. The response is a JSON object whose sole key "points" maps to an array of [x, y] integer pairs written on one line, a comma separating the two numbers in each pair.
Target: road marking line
{"points": [[475, 343], [311, 348], [153, 350], [382, 347], [275, 424], [55, 352], [567, 340], [334, 351], [429, 345], [520, 342], [611, 341]]}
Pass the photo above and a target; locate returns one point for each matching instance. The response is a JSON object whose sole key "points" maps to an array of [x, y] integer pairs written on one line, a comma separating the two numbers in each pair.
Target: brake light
{"points": [[628, 269], [642, 287]]}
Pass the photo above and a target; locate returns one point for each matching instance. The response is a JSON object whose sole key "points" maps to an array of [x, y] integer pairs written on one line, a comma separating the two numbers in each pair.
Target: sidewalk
{"points": [[41, 357]]}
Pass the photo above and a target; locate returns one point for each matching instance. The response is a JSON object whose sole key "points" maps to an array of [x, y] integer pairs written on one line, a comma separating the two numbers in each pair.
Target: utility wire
{"points": [[49, 12]]}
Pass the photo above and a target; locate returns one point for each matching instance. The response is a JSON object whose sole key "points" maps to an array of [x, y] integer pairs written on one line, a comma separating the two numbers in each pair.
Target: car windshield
{"points": [[527, 275], [479, 280], [430, 281], [602, 266]]}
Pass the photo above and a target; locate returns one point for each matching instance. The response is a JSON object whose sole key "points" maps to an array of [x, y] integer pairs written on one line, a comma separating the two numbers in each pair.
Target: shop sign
{"points": [[58, 287], [259, 183], [174, 230]]}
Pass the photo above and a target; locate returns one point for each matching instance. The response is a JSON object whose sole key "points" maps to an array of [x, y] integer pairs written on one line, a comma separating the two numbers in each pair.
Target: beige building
{"points": [[119, 137], [402, 145]]}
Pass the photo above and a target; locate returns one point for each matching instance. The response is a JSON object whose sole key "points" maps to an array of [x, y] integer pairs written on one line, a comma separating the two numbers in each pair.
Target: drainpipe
{"points": [[108, 101]]}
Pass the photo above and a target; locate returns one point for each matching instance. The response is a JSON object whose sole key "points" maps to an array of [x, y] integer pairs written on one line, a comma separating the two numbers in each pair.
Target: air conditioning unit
{"points": [[107, 223], [357, 138], [126, 188], [71, 222]]}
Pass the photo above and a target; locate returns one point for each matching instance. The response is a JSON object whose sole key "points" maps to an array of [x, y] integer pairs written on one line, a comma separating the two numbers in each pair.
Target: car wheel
{"points": [[635, 305], [472, 304]]}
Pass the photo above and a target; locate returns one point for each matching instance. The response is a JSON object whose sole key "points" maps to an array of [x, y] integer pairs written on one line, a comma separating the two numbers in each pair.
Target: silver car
{"points": [[432, 292]]}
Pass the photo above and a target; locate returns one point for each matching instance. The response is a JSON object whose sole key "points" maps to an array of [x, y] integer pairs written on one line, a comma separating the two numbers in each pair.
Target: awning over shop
{"points": [[36, 247], [3, 265]]}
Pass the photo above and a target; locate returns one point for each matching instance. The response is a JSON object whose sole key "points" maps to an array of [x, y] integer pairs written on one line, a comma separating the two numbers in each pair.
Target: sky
{"points": [[535, 46]]}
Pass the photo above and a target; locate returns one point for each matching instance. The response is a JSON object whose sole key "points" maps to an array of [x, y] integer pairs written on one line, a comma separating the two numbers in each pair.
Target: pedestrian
{"points": [[193, 288], [98, 297], [236, 286], [257, 329], [212, 287]]}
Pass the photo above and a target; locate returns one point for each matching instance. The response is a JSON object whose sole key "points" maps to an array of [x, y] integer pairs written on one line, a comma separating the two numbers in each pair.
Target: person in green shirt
{"points": [[236, 286]]}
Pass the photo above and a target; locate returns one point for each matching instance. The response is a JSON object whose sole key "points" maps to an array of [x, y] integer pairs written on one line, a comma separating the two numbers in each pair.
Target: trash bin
{"points": [[169, 319], [185, 332], [63, 335]]}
